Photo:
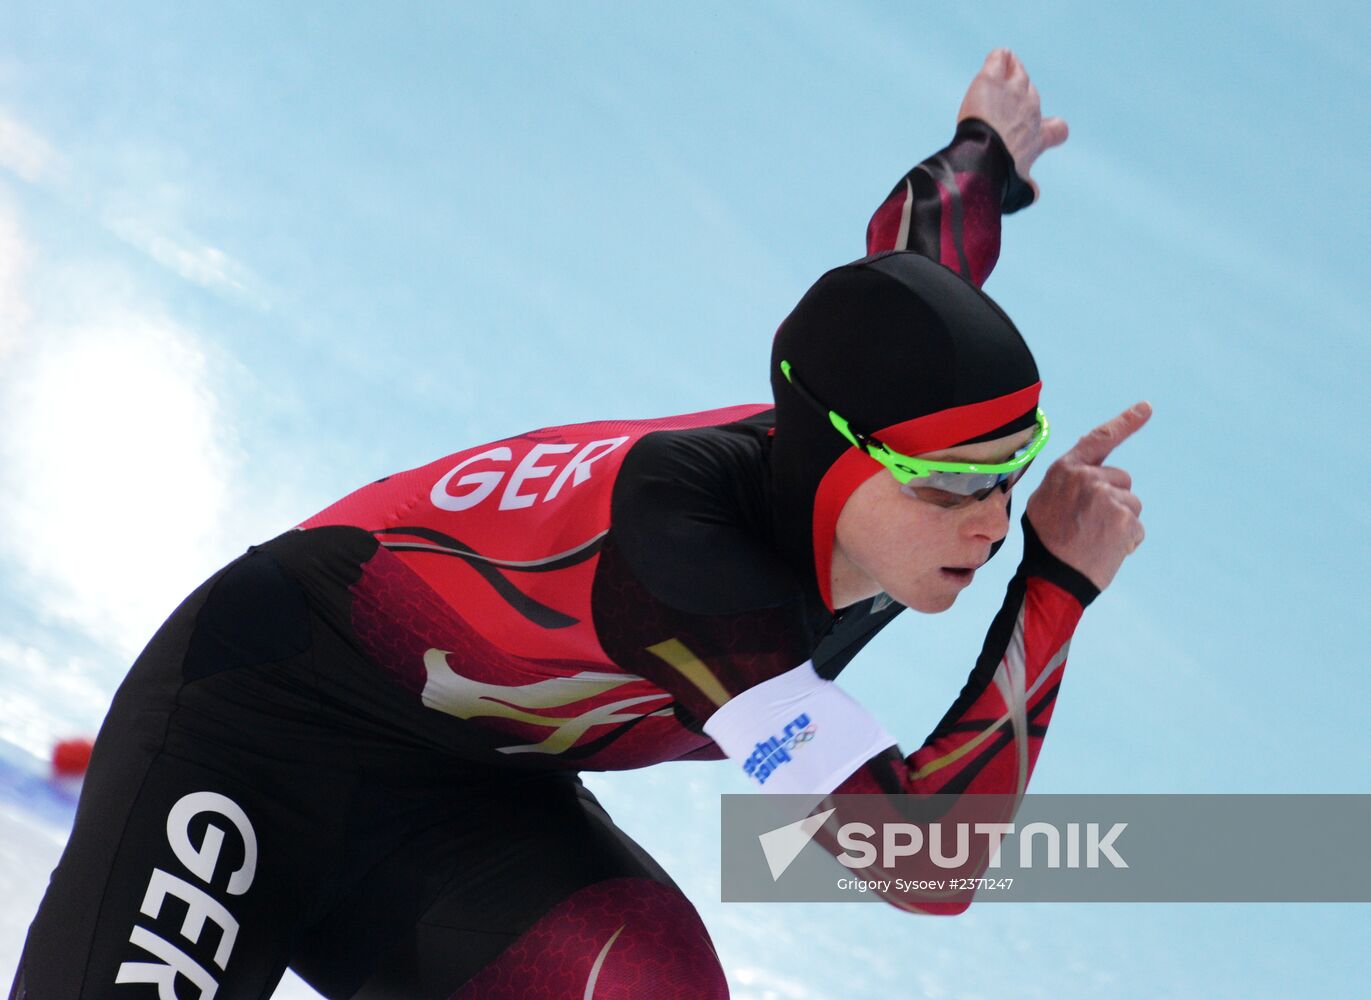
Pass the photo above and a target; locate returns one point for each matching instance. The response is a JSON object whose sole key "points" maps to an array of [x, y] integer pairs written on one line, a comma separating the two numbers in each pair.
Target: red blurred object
{"points": [[70, 757]]}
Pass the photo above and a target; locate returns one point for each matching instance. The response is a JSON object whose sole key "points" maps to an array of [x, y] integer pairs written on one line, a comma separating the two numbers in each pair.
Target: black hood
{"points": [[885, 341]]}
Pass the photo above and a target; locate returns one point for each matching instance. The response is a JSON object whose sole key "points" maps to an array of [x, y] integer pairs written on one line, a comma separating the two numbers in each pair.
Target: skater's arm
{"points": [[949, 206], [1080, 525]]}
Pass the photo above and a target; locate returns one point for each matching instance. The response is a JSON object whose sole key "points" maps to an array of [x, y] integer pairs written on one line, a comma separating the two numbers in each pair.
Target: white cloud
{"points": [[14, 259], [141, 206], [26, 153], [199, 263], [763, 984], [35, 684]]}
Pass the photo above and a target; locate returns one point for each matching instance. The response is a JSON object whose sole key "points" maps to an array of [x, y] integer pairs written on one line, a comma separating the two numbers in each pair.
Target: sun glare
{"points": [[118, 462]]}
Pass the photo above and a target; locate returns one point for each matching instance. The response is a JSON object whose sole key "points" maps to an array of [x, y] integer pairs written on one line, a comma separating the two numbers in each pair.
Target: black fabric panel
{"points": [[255, 614], [853, 629], [484, 868], [691, 514]]}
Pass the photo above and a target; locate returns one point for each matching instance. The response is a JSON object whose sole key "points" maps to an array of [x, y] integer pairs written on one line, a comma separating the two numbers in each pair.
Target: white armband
{"points": [[797, 733]]}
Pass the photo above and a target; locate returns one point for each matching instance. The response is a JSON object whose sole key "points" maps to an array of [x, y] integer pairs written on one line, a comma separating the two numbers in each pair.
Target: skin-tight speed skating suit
{"points": [[354, 750]]}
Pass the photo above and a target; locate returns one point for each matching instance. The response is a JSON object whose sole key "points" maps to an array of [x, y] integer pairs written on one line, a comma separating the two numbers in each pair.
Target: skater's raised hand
{"points": [[1002, 96], [1084, 511]]}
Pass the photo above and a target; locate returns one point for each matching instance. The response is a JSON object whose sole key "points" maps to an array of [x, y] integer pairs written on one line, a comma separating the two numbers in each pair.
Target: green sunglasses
{"points": [[947, 484]]}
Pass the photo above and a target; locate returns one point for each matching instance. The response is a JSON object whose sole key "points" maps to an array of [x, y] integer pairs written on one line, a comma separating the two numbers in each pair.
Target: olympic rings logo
{"points": [[799, 739]]}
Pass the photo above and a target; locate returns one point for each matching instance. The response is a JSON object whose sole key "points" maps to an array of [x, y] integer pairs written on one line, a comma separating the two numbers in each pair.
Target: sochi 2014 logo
{"points": [[774, 751]]}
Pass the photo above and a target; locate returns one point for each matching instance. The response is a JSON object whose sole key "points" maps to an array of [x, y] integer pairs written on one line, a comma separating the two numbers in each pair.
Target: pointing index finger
{"points": [[1095, 447]]}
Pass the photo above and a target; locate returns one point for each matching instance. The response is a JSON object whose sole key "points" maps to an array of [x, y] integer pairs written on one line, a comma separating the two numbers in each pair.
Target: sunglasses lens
{"points": [[955, 489], [937, 497]]}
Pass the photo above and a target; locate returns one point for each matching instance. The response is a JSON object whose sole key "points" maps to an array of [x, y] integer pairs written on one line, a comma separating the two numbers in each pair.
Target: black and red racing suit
{"points": [[357, 744]]}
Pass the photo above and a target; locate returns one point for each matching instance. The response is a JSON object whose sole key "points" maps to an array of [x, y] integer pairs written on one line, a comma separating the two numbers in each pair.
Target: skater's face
{"points": [[921, 554]]}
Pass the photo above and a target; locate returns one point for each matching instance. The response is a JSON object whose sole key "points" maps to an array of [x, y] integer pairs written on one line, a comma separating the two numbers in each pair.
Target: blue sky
{"points": [[254, 256]]}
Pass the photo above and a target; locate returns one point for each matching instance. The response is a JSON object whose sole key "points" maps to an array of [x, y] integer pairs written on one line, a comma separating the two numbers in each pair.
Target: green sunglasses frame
{"points": [[906, 467]]}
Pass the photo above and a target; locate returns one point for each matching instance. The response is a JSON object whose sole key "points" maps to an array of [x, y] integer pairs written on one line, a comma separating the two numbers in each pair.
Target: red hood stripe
{"points": [[933, 432]]}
